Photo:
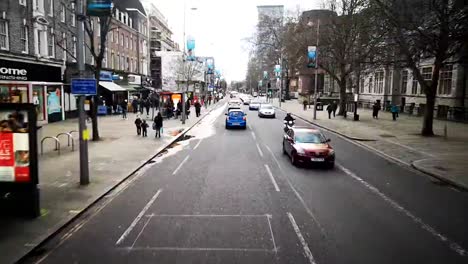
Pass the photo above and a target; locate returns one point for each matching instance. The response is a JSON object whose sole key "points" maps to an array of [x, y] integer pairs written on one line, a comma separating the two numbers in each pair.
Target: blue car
{"points": [[236, 118]]}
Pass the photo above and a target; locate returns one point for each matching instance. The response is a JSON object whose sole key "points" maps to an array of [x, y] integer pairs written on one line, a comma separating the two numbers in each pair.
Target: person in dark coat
{"points": [[375, 110], [197, 108], [334, 108], [144, 128], [135, 105], [138, 125], [187, 108], [124, 106], [142, 105], [158, 124], [179, 109], [329, 110], [304, 103], [394, 110], [147, 106]]}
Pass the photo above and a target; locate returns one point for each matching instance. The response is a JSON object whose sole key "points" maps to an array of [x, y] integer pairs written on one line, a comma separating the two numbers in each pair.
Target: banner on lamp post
{"points": [[312, 57], [277, 70], [265, 75], [99, 8]]}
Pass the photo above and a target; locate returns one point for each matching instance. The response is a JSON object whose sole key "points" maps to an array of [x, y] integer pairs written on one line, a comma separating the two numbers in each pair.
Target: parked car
{"points": [[308, 145], [266, 110], [236, 118]]}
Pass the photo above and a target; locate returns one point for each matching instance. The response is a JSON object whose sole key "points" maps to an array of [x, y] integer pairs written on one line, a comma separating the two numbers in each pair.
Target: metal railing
{"points": [[70, 141], [57, 144]]}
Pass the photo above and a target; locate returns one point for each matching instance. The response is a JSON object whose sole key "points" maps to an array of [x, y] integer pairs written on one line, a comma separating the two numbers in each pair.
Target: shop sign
{"points": [[21, 71], [134, 79]]}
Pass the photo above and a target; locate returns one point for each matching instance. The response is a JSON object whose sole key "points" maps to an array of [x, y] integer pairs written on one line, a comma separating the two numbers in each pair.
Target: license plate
{"points": [[235, 124], [317, 159]]}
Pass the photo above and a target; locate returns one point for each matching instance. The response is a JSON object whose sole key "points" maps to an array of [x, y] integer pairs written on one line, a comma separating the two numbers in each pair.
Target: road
{"points": [[231, 196]]}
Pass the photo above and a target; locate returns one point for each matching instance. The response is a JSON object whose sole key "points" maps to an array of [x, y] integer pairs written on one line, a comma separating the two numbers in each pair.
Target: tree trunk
{"points": [[428, 119], [94, 103], [342, 103]]}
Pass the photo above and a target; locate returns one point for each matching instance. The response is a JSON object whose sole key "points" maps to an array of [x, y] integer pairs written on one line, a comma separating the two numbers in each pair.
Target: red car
{"points": [[308, 145]]}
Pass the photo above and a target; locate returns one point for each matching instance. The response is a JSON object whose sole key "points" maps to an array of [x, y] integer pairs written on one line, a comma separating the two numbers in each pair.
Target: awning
{"points": [[130, 88], [112, 87]]}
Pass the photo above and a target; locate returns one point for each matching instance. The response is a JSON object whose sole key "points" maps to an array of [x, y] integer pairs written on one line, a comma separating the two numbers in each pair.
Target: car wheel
{"points": [[284, 150], [293, 158], [227, 127], [274, 116]]}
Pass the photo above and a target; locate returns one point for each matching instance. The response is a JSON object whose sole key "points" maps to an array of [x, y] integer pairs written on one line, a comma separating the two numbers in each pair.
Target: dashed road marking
{"points": [[272, 178], [452, 245], [259, 150], [253, 135], [305, 246], [198, 144], [139, 216], [180, 165]]}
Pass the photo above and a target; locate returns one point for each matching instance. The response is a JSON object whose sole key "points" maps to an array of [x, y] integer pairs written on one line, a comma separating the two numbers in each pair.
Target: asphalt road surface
{"points": [[231, 196]]}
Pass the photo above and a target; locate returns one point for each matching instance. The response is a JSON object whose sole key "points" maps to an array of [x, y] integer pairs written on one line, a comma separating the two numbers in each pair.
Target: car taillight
{"points": [[245, 118]]}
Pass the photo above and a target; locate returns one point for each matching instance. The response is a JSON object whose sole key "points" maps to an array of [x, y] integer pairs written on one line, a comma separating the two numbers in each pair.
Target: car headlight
{"points": [[300, 151], [331, 152]]}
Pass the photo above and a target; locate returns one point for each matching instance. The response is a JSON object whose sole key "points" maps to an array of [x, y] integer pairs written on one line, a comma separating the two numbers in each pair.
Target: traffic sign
{"points": [[84, 86]]}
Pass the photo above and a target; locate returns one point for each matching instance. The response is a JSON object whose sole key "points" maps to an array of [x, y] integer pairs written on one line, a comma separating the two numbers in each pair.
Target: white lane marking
{"points": [[180, 165], [301, 239], [250, 127], [198, 144], [195, 249], [259, 150], [141, 231], [271, 231], [378, 152], [204, 215], [253, 135], [452, 245], [272, 178], [139, 216], [299, 197]]}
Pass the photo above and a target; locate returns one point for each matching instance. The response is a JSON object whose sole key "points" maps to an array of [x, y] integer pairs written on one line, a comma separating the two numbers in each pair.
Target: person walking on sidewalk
{"points": [[147, 106], [197, 108], [124, 106], [157, 125], [141, 105], [334, 108], [375, 110], [394, 110], [144, 128], [138, 124], [329, 110], [135, 105], [304, 103], [187, 108]]}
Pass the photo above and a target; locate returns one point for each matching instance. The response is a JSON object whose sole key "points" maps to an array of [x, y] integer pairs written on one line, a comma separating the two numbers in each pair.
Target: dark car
{"points": [[308, 146]]}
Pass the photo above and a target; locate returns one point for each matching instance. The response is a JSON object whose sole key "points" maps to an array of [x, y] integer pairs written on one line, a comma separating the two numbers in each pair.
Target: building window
{"points": [[51, 43], [24, 39], [73, 15], [116, 37], [74, 48], [128, 64], [404, 81], [104, 60], [379, 82], [118, 62], [427, 76], [122, 39], [112, 60], [38, 5], [63, 13], [414, 85], [126, 42], [371, 85], [445, 85], [22, 2], [51, 8], [64, 46], [4, 41], [361, 85], [131, 42]]}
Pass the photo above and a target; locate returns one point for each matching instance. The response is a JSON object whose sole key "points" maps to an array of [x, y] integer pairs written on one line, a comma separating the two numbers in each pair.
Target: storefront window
{"points": [[54, 103], [11, 93], [38, 101]]}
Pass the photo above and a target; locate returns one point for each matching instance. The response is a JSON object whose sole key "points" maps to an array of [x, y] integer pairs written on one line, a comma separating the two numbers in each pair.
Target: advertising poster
{"points": [[14, 147], [54, 106]]}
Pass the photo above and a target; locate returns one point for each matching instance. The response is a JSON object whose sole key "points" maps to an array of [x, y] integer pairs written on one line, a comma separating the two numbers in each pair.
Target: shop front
{"points": [[39, 84]]}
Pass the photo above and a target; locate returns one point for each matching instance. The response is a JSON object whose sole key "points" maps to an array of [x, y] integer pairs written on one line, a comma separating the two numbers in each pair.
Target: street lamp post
{"points": [[316, 71]]}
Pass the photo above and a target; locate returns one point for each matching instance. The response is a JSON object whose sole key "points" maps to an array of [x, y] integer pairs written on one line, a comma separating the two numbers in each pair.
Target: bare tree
{"points": [[96, 47], [187, 72], [347, 39], [421, 30]]}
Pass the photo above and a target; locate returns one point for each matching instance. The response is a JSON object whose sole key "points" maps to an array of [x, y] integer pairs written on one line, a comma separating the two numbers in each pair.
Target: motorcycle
{"points": [[288, 125]]}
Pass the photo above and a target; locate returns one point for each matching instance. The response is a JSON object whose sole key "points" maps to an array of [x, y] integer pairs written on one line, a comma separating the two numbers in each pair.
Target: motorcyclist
{"points": [[289, 118]]}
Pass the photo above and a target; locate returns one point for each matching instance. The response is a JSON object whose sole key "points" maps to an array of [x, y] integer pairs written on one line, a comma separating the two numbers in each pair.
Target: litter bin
{"points": [[319, 106]]}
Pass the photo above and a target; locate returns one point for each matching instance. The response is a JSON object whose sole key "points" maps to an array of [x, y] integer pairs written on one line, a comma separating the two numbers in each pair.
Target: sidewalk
{"points": [[444, 158], [112, 159]]}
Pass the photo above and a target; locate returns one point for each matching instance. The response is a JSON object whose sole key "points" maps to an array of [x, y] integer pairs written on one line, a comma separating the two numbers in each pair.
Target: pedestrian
{"points": [[158, 125], [124, 106], [394, 110], [209, 100], [329, 110], [304, 103], [179, 109], [141, 105], [135, 105], [147, 106], [187, 108], [138, 124], [197, 108], [334, 108], [375, 110], [144, 128]]}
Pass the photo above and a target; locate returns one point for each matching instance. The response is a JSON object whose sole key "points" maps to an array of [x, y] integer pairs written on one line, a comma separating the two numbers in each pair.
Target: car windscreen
{"points": [[309, 137], [269, 107], [236, 114]]}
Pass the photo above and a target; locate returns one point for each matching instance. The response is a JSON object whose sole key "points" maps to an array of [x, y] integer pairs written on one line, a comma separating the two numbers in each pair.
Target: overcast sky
{"points": [[221, 27]]}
